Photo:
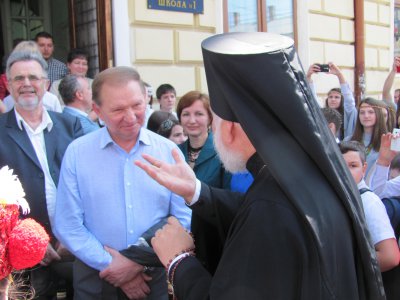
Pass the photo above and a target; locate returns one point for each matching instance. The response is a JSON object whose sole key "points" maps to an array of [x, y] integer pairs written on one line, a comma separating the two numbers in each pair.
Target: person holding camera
{"points": [[341, 99]]}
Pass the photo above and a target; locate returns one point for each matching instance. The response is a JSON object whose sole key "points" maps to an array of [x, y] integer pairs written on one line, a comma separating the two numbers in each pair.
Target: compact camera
{"points": [[323, 67]]}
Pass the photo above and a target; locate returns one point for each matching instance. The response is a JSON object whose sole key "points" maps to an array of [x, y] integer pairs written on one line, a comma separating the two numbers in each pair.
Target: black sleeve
{"points": [[217, 206], [193, 277]]}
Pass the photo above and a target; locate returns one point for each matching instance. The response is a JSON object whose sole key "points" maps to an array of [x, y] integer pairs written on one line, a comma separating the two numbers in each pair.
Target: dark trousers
{"points": [[89, 286], [47, 281]]}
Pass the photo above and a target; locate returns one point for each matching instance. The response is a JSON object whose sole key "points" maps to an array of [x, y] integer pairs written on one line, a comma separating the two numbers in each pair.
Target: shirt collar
{"points": [[362, 184], [81, 112], [46, 121]]}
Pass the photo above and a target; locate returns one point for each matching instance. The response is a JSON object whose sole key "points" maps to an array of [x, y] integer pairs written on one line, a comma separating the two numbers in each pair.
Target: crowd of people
{"points": [[83, 149]]}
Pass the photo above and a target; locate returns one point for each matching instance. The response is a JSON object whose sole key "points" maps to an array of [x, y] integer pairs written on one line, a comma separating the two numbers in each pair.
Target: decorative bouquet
{"points": [[23, 243]]}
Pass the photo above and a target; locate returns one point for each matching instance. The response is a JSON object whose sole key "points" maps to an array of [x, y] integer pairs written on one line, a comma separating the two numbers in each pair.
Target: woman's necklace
{"points": [[193, 153]]}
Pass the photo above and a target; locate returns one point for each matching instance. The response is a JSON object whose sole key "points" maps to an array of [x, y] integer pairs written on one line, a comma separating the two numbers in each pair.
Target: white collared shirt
{"points": [[36, 137]]}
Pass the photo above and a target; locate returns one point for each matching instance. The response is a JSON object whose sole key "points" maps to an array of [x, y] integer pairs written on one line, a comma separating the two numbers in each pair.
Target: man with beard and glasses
{"points": [[33, 142], [299, 231]]}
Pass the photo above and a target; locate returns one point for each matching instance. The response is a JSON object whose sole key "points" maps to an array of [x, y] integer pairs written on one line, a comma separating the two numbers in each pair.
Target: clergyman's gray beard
{"points": [[233, 161], [28, 105]]}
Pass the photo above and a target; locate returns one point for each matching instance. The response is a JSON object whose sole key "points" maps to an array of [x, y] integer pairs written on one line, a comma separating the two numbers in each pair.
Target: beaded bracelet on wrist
{"points": [[171, 274], [189, 250]]}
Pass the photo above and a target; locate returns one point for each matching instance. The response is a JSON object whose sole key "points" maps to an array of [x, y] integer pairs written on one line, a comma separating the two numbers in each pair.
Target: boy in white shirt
{"points": [[382, 235]]}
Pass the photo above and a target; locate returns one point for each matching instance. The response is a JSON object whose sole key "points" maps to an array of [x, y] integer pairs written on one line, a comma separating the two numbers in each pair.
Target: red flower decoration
{"points": [[8, 219], [27, 244], [23, 244]]}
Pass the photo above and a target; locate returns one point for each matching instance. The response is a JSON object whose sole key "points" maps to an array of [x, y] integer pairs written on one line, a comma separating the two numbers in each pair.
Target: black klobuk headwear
{"points": [[256, 79]]}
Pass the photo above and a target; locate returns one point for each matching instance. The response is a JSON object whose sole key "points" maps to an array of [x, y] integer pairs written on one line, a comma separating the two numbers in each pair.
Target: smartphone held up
{"points": [[395, 143]]}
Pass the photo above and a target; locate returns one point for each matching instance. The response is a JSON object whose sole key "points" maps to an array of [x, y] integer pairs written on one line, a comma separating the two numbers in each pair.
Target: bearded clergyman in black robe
{"points": [[299, 231]]}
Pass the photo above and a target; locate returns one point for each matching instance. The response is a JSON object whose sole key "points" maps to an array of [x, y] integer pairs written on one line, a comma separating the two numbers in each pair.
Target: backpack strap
{"points": [[392, 206], [363, 190]]}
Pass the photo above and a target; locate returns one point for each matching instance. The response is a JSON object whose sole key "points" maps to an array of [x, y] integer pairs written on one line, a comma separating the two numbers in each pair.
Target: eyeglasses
{"points": [[32, 78]]}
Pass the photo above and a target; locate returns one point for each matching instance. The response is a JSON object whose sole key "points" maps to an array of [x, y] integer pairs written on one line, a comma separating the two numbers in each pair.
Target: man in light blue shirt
{"points": [[117, 205], [76, 93]]}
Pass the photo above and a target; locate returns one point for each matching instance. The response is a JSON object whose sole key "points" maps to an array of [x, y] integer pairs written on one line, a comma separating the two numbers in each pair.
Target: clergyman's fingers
{"points": [[177, 155], [149, 169], [152, 160]]}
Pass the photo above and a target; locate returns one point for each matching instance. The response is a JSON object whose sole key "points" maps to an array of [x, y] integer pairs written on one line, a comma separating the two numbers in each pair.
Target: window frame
{"points": [[262, 17], [7, 18]]}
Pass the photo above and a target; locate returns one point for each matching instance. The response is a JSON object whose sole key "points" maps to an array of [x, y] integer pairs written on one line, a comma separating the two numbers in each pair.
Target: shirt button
{"points": [[131, 231], [129, 206], [128, 184]]}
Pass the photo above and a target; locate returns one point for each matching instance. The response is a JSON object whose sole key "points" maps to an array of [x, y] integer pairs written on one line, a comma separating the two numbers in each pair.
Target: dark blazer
{"points": [[17, 152]]}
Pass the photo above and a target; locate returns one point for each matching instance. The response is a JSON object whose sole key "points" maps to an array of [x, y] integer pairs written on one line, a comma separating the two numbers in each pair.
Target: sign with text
{"points": [[188, 6]]}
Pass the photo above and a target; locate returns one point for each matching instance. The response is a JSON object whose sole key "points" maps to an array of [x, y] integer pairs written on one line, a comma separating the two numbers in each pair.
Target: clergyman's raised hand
{"points": [[178, 178]]}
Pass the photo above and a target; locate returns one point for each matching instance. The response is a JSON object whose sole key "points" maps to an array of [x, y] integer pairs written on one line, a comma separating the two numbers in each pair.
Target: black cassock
{"points": [[269, 253], [299, 232]]}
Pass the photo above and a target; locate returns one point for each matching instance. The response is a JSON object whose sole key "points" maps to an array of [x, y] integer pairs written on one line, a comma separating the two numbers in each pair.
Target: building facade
{"points": [[165, 45], [360, 36]]}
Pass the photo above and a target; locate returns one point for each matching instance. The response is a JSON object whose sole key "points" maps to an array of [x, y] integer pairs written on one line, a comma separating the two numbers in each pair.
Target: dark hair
{"points": [[337, 90], [157, 118], [333, 116], [68, 87], [392, 120], [340, 109], [398, 114], [116, 76], [189, 98], [379, 127], [43, 34], [166, 127], [346, 146], [391, 115], [395, 163], [163, 89], [77, 53]]}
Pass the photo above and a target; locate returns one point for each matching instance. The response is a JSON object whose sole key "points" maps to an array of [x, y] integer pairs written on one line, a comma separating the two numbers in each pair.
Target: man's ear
{"points": [[79, 94], [364, 168], [96, 109]]}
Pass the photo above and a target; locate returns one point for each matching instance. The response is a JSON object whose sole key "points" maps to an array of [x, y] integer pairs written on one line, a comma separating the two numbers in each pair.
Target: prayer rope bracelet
{"points": [[171, 274], [189, 250]]}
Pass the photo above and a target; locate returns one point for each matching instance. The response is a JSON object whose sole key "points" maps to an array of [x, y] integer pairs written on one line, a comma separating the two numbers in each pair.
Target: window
{"points": [[275, 16], [27, 18]]}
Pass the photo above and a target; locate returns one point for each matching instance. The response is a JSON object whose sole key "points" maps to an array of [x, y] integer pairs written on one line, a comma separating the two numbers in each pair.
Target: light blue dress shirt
{"points": [[87, 124], [103, 198]]}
